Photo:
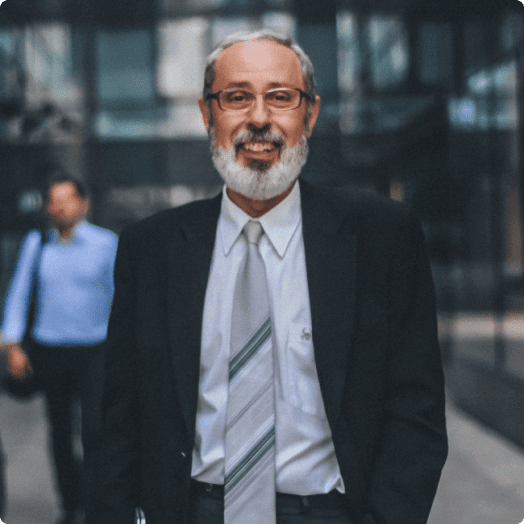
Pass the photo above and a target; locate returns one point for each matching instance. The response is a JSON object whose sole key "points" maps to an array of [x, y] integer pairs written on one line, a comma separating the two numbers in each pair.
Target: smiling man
{"points": [[259, 134], [273, 351]]}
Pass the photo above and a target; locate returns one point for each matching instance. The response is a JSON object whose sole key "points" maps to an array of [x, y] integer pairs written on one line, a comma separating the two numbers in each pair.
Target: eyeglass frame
{"points": [[216, 96]]}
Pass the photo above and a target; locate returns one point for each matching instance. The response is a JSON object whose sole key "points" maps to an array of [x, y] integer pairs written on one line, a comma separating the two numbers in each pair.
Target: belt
{"points": [[284, 501]]}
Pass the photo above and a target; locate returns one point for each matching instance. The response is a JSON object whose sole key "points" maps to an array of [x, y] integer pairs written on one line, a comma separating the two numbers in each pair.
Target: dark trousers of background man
{"points": [[69, 374]]}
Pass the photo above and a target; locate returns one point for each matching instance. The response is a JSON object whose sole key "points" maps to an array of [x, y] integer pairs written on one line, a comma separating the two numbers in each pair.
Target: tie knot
{"points": [[253, 231]]}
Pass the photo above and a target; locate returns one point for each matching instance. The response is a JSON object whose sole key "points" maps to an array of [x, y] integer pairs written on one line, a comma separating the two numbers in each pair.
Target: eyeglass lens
{"points": [[239, 99]]}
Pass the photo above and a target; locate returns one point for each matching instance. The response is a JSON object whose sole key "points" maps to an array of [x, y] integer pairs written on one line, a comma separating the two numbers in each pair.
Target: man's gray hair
{"points": [[308, 73]]}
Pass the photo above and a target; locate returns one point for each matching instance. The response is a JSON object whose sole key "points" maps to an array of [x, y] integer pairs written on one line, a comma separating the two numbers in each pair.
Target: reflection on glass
{"points": [[49, 64], [181, 57], [389, 53], [492, 102], [500, 79], [348, 51], [512, 29], [170, 121], [436, 53], [125, 63], [221, 27], [282, 23]]}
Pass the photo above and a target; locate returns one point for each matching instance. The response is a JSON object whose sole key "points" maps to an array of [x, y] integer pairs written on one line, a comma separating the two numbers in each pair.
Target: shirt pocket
{"points": [[304, 389]]}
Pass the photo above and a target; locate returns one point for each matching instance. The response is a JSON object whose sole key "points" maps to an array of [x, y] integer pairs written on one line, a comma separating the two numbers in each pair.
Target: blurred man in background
{"points": [[69, 272], [273, 351]]}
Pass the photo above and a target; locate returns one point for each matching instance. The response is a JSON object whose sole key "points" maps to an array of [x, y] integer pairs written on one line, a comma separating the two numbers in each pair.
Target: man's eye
{"points": [[279, 96], [237, 96]]}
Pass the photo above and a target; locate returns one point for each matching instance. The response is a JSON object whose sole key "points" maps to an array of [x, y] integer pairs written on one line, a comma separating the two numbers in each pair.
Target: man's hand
{"points": [[17, 362]]}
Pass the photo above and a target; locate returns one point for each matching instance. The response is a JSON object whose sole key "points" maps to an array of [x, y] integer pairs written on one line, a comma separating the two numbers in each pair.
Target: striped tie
{"points": [[250, 429]]}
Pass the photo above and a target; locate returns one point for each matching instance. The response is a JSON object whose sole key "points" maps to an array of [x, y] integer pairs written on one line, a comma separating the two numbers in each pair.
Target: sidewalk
{"points": [[31, 495], [482, 482], [483, 479]]}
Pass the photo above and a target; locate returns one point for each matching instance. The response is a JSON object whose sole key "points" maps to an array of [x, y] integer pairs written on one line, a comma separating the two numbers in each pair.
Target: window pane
{"points": [[512, 30], [283, 23], [48, 60], [389, 53], [436, 53], [181, 61], [492, 101], [175, 120], [125, 66], [348, 51], [221, 27]]}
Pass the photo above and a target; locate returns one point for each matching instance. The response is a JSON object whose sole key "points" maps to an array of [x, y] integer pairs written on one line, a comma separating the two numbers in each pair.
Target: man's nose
{"points": [[57, 208], [259, 114]]}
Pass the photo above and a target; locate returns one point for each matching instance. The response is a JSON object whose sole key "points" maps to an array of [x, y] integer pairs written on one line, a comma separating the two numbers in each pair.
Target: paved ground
{"points": [[482, 482], [483, 479], [31, 493]]}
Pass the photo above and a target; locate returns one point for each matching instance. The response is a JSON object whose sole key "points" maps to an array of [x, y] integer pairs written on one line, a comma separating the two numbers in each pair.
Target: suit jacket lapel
{"points": [[189, 263], [331, 272]]}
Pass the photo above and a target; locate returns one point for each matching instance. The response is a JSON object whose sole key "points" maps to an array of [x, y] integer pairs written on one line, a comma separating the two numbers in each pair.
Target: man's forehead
{"points": [[63, 190], [258, 61]]}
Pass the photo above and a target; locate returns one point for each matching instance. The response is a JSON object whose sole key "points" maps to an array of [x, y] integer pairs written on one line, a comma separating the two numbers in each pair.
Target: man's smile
{"points": [[265, 151], [259, 147]]}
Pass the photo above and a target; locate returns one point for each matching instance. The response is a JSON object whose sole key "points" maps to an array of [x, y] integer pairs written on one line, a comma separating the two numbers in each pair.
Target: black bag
{"points": [[24, 388]]}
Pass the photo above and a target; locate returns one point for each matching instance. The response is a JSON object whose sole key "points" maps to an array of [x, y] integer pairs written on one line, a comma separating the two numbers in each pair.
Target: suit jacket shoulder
{"points": [[190, 222], [192, 215], [357, 209]]}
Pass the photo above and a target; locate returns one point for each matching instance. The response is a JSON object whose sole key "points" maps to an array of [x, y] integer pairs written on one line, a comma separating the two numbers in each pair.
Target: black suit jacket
{"points": [[376, 351]]}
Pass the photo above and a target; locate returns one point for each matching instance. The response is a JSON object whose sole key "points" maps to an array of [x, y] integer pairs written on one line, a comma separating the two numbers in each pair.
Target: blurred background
{"points": [[422, 101]]}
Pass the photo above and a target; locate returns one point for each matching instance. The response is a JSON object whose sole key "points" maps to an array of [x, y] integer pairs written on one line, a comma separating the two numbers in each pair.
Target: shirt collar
{"points": [[76, 233], [279, 223]]}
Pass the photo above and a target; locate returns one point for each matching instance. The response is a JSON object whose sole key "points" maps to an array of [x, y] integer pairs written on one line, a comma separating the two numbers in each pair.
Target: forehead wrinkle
{"points": [[248, 85], [238, 84]]}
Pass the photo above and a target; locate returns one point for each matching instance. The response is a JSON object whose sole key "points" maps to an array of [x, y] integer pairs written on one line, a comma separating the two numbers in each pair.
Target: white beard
{"points": [[263, 183]]}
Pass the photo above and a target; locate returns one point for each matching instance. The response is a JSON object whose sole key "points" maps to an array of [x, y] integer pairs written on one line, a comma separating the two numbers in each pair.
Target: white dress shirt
{"points": [[305, 456]]}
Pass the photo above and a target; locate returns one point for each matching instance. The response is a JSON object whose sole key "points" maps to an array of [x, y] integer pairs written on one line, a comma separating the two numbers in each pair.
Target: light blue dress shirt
{"points": [[75, 288]]}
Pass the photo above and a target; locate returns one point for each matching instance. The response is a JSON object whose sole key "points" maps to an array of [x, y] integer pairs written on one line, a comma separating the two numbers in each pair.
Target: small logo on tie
{"points": [[306, 334]]}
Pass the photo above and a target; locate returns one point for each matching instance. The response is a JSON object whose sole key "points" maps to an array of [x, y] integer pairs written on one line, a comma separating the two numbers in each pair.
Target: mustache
{"points": [[262, 135]]}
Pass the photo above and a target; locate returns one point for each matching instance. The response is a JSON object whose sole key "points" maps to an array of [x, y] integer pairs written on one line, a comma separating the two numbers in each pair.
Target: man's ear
{"points": [[85, 206], [205, 113], [313, 115]]}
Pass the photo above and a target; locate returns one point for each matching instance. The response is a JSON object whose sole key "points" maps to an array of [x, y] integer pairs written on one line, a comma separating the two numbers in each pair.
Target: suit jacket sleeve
{"points": [[413, 445], [117, 478]]}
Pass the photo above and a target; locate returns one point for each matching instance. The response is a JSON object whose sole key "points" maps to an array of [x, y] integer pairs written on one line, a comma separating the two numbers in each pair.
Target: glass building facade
{"points": [[422, 101]]}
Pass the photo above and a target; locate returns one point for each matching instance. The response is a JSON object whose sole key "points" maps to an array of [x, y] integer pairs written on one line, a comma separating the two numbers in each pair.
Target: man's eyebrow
{"points": [[238, 84]]}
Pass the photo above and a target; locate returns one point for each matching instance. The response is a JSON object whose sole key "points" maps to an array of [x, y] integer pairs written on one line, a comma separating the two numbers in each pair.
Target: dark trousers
{"points": [[207, 507], [70, 374]]}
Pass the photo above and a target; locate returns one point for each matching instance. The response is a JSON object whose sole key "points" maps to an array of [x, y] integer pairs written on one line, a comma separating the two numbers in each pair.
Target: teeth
{"points": [[258, 146]]}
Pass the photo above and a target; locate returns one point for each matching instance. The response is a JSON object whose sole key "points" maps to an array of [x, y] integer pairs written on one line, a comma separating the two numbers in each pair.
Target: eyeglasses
{"points": [[280, 99]]}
